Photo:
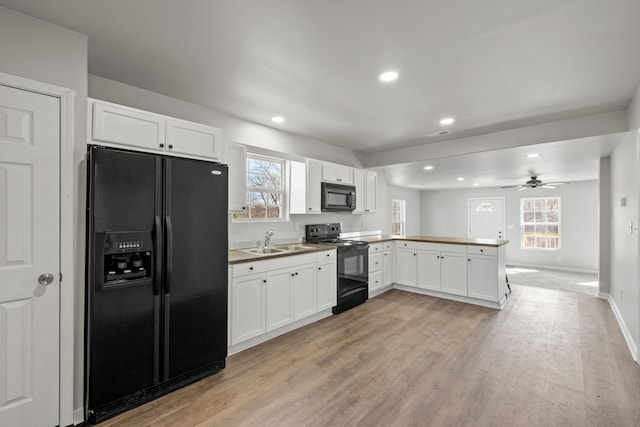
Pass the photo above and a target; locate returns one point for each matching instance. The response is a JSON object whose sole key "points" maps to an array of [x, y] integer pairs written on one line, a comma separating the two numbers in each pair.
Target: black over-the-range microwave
{"points": [[338, 197]]}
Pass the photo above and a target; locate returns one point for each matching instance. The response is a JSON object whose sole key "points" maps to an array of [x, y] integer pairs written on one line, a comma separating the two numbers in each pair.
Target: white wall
{"points": [[625, 173], [412, 209], [444, 213], [40, 51]]}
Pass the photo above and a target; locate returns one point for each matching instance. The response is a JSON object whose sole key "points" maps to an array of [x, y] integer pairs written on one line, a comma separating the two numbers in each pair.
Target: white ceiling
{"points": [[492, 64]]}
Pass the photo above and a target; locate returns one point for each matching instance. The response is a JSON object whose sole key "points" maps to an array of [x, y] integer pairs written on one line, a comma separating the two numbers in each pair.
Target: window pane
{"points": [[553, 216], [528, 204], [527, 216], [540, 204], [257, 198], [552, 204], [273, 212], [258, 211]]}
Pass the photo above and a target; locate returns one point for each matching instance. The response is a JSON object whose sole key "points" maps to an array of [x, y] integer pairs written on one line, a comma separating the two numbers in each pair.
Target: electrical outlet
{"points": [[296, 226]]}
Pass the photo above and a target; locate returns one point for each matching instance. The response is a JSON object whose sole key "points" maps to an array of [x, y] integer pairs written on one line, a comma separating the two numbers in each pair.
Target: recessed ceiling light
{"points": [[460, 178], [388, 76], [533, 155], [447, 121], [475, 184], [428, 168], [277, 119]]}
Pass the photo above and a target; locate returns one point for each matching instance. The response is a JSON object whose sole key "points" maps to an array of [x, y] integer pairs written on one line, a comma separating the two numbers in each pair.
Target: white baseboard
{"points": [[547, 267], [633, 348], [604, 295], [78, 416]]}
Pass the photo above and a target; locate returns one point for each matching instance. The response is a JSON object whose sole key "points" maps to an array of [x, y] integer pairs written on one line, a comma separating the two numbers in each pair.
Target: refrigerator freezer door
{"points": [[121, 317], [195, 328]]}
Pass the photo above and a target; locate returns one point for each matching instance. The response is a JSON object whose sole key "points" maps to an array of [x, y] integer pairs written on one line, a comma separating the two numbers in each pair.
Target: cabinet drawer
{"points": [[250, 268], [408, 245], [482, 250], [375, 262], [272, 264], [325, 256], [375, 248], [442, 247], [387, 246], [375, 280]]}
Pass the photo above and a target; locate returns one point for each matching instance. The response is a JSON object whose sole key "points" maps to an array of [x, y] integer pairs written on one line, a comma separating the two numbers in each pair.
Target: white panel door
{"points": [[29, 250], [486, 218]]}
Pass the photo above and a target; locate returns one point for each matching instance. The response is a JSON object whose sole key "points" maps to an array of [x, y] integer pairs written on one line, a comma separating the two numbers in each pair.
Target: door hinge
{"points": [[61, 276]]}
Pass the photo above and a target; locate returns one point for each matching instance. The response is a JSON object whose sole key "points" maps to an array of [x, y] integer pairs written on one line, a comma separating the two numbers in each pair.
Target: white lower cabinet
{"points": [[327, 280], [380, 267], [405, 263], [248, 318], [453, 273], [481, 273], [387, 268], [303, 286], [428, 265], [271, 294], [278, 299]]}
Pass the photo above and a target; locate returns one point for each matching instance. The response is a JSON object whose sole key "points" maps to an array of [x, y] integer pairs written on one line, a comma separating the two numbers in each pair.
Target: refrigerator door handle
{"points": [[157, 235], [169, 270]]}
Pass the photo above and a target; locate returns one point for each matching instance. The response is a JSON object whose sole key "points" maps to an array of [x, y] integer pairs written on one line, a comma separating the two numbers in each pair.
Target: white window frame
{"points": [[546, 223], [284, 190], [402, 223]]}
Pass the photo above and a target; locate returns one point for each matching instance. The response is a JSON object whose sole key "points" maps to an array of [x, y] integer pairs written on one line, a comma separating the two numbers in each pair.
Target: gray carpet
{"points": [[553, 279]]}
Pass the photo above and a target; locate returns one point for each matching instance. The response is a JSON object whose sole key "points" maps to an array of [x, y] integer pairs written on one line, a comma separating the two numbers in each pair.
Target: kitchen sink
{"points": [[276, 250], [294, 248], [263, 251]]}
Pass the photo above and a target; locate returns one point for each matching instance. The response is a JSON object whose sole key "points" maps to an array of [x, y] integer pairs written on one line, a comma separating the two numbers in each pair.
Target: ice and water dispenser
{"points": [[127, 257]]}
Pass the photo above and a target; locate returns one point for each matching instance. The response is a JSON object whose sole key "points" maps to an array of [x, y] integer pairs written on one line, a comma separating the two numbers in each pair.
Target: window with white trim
{"points": [[265, 189], [540, 223], [397, 217]]}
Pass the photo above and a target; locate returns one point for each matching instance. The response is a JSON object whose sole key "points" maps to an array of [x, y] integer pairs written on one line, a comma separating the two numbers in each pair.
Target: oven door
{"points": [[353, 267]]}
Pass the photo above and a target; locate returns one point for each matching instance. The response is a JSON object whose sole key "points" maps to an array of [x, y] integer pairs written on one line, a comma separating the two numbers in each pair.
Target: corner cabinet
{"points": [[125, 127], [366, 183]]}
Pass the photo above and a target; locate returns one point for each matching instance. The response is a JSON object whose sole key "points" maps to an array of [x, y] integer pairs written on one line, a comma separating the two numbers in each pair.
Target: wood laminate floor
{"points": [[550, 358]]}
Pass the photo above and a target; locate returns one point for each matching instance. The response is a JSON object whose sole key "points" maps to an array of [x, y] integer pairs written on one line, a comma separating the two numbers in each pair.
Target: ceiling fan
{"points": [[534, 182]]}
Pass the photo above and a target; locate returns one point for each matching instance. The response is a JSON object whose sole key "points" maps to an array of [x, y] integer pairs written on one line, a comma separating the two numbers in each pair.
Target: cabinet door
{"points": [[332, 172], [375, 281], [304, 291], [406, 266], [247, 307], [193, 139], [127, 127], [360, 182], [371, 189], [314, 173], [429, 270], [278, 299], [237, 161], [327, 278], [453, 273], [483, 277], [387, 268]]}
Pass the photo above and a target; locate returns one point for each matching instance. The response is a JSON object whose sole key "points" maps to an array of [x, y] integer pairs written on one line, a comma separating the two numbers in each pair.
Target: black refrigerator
{"points": [[156, 285]]}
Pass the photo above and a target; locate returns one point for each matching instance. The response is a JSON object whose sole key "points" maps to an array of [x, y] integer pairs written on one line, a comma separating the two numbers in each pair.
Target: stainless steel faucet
{"points": [[267, 237]]}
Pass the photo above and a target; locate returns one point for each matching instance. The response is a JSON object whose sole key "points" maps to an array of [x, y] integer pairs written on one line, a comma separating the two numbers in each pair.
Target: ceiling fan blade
{"points": [[523, 187], [547, 186], [557, 183], [513, 186]]}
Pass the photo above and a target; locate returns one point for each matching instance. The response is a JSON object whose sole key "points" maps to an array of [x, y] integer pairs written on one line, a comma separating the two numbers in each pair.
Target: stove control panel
{"points": [[322, 231]]}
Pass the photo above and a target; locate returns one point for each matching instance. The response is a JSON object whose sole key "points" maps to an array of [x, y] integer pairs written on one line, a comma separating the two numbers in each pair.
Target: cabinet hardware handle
{"points": [[161, 145], [319, 268], [250, 268], [244, 207], [328, 254], [170, 146], [292, 274], [264, 281]]}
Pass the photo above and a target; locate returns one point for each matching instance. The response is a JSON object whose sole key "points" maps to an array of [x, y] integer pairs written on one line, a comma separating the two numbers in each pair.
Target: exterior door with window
{"points": [[486, 218], [29, 258]]}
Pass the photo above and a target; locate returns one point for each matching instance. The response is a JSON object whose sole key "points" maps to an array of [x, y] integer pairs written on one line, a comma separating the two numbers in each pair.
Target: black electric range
{"points": [[353, 264]]}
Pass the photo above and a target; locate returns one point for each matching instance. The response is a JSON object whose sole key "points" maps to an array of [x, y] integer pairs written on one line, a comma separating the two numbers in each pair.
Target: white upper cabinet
{"points": [[193, 139], [304, 193], [126, 127], [237, 160], [366, 183], [333, 172]]}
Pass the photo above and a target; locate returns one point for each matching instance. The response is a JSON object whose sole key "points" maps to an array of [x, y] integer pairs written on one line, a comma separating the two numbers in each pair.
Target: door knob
{"points": [[45, 279]]}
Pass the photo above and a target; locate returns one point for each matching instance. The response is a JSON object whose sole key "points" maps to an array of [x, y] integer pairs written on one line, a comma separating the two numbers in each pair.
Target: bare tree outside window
{"points": [[266, 192], [540, 223], [397, 217]]}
